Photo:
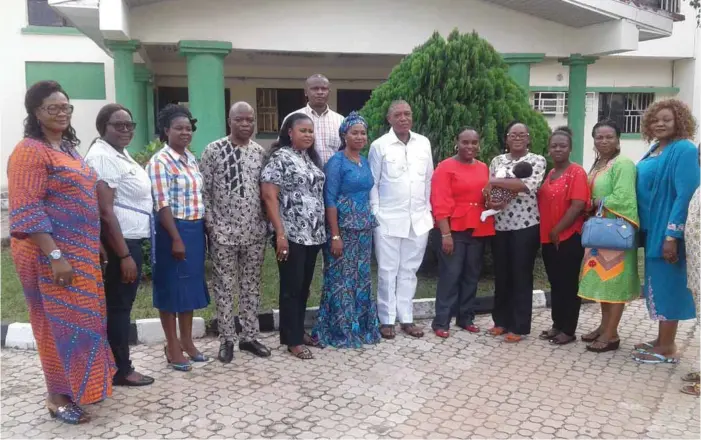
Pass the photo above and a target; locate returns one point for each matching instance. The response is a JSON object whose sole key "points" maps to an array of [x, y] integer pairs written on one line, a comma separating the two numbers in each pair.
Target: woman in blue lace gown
{"points": [[347, 313]]}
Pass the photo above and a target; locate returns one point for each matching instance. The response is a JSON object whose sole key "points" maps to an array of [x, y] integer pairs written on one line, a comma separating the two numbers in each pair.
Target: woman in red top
{"points": [[457, 202], [562, 200]]}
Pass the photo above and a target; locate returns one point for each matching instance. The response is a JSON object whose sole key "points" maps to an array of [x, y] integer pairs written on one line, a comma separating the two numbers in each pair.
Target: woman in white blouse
{"points": [[124, 197], [517, 236]]}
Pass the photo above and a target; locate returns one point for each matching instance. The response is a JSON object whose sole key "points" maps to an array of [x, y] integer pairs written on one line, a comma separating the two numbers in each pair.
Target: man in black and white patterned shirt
{"points": [[236, 226]]}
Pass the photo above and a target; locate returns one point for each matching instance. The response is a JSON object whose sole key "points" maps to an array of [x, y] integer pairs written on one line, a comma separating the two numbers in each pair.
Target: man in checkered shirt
{"points": [[326, 121]]}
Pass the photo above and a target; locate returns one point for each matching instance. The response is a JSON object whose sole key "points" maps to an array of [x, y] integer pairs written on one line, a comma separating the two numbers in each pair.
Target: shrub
{"points": [[461, 81], [142, 157]]}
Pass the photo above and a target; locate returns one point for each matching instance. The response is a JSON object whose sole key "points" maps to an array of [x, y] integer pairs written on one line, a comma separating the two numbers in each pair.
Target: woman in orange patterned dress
{"points": [[55, 229]]}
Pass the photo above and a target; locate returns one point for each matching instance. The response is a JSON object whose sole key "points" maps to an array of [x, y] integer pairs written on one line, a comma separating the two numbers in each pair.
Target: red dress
{"points": [[456, 193], [53, 192], [555, 198]]}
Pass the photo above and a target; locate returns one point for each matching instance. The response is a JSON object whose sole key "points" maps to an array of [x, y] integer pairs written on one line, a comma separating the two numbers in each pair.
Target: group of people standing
{"points": [[78, 226]]}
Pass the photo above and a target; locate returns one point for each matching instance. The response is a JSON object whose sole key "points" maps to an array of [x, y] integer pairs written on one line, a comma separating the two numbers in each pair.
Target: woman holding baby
{"points": [[457, 202], [517, 235]]}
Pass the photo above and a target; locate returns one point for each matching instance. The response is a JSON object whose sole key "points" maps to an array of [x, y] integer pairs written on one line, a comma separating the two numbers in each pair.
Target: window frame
{"points": [[38, 17], [630, 116]]}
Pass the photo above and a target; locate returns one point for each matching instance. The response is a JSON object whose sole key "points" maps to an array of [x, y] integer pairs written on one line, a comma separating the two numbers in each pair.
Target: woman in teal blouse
{"points": [[668, 175]]}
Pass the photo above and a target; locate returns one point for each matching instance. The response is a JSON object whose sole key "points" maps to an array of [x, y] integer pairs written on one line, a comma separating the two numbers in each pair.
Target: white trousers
{"points": [[398, 259]]}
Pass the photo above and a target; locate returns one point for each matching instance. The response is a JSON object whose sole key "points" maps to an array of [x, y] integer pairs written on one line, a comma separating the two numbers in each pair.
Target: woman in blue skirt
{"points": [[179, 286], [668, 175]]}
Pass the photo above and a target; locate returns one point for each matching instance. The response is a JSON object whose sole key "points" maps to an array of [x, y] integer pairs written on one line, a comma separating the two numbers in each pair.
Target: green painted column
{"points": [[205, 88], [577, 101], [142, 77], [124, 84], [520, 66], [151, 113]]}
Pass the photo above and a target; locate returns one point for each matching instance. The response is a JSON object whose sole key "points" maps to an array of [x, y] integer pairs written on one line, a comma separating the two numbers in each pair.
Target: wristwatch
{"points": [[55, 255], [668, 238], [336, 237]]}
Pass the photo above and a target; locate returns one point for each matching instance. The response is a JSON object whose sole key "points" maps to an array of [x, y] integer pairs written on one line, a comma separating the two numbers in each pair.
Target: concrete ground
{"points": [[465, 386]]}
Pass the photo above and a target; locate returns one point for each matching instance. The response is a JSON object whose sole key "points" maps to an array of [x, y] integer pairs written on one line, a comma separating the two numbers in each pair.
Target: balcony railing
{"points": [[669, 6]]}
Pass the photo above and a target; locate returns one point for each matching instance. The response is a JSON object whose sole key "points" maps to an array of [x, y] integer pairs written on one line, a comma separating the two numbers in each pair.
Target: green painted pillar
{"points": [[142, 77], [151, 113], [205, 88], [124, 85], [577, 101], [520, 66]]}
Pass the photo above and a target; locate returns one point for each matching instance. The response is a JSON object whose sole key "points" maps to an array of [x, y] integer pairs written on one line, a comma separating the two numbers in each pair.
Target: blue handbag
{"points": [[600, 232]]}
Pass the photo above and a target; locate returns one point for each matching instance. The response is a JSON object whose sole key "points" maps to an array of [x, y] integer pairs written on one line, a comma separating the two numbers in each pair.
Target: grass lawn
{"points": [[14, 308]]}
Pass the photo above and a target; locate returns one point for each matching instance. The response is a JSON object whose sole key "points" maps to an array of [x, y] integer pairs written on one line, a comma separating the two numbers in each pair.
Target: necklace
{"points": [[602, 163], [355, 161]]}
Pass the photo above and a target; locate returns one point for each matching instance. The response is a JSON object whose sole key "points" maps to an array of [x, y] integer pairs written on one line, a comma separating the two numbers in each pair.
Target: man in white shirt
{"points": [[402, 166], [326, 121]]}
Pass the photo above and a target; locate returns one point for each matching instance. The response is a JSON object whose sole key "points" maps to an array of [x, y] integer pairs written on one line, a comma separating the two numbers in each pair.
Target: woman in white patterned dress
{"points": [[692, 239]]}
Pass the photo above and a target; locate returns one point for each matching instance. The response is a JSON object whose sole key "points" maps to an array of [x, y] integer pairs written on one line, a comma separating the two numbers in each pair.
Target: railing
{"points": [[671, 6]]}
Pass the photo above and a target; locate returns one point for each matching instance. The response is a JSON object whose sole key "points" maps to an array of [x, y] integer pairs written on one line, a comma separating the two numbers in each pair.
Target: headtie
{"points": [[352, 119]]}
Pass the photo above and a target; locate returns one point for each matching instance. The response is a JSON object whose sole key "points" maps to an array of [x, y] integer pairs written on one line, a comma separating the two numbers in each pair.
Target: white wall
{"points": [[608, 72], [681, 44], [19, 48], [618, 72], [362, 26]]}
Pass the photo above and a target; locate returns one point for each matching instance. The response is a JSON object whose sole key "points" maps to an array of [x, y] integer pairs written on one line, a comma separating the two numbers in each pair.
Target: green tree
{"points": [[451, 83], [696, 4]]}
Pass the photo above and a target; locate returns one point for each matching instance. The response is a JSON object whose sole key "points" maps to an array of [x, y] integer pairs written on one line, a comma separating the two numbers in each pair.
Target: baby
{"points": [[500, 195]]}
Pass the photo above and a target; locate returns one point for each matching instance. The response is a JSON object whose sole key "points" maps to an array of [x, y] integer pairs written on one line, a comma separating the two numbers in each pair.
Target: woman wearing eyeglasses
{"points": [[124, 198], [55, 229], [517, 236]]}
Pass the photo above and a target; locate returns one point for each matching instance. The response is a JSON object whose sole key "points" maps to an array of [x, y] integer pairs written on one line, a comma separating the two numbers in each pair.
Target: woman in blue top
{"points": [[347, 313], [668, 175]]}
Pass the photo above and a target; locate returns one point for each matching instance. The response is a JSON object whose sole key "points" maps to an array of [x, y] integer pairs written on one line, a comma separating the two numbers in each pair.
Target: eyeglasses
{"points": [[56, 109], [518, 136], [123, 126]]}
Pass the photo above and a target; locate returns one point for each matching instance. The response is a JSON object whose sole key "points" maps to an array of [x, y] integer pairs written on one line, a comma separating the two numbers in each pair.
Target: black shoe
{"points": [[255, 347], [121, 381], [226, 352]]}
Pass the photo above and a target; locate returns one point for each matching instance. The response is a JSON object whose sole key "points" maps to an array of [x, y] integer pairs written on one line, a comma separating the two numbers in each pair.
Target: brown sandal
{"points": [[604, 346], [387, 331], [692, 390], [309, 341], [496, 331], [304, 353], [692, 377], [413, 330], [549, 334], [512, 338], [563, 339], [591, 336]]}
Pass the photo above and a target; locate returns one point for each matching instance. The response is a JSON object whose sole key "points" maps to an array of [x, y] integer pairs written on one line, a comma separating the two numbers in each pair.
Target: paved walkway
{"points": [[465, 386]]}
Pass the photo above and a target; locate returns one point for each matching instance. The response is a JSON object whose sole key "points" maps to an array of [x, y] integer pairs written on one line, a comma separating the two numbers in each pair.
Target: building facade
{"points": [[581, 60]]}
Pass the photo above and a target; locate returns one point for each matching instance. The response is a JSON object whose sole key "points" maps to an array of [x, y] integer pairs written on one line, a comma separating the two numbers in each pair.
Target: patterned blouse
{"points": [[692, 237], [347, 189], [176, 182], [233, 209], [301, 199], [522, 211]]}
